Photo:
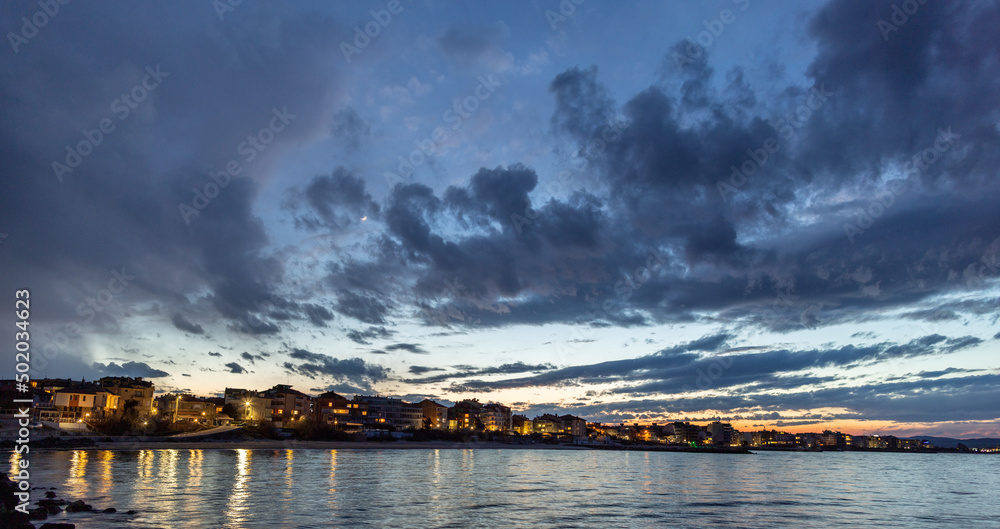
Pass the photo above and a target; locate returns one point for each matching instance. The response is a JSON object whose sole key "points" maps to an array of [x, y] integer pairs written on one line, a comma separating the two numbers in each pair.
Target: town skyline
{"points": [[626, 215]]}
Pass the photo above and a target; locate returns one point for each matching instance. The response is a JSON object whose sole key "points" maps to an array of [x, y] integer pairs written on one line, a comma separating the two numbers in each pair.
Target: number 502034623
{"points": [[22, 340]]}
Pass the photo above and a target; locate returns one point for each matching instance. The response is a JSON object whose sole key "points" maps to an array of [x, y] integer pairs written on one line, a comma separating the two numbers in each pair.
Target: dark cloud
{"points": [[318, 315], [408, 347], [420, 370], [235, 368], [215, 354], [333, 202], [129, 369], [363, 337], [353, 371], [468, 371], [253, 358], [692, 366], [183, 324], [368, 309]]}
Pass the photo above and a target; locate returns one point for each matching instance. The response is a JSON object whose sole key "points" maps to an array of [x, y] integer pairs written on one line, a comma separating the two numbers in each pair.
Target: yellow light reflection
{"points": [[15, 459], [236, 512], [76, 485], [107, 458], [196, 458]]}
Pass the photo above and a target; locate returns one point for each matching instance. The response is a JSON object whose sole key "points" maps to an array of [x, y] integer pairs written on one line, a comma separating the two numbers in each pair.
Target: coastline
{"points": [[314, 445]]}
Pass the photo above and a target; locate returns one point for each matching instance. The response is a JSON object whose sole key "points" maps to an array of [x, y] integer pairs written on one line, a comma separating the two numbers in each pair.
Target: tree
{"points": [[427, 423], [232, 411]]}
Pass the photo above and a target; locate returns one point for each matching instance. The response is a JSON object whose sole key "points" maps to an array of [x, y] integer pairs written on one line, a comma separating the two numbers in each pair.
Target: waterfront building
{"points": [[131, 389], [495, 417], [288, 405], [85, 401], [436, 413]]}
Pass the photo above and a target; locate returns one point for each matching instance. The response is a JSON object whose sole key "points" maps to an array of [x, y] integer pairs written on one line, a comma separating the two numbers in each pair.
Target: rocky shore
{"points": [[51, 504]]}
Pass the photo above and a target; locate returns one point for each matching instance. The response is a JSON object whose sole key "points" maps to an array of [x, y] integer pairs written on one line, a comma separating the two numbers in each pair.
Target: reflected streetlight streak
{"points": [[236, 510]]}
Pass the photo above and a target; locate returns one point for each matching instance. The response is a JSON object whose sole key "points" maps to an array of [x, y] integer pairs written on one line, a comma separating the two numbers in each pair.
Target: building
{"points": [[129, 390], [722, 433], [85, 401], [464, 415], [495, 417], [335, 411], [686, 433], [187, 408], [288, 405], [390, 413], [436, 413], [520, 424], [411, 417], [251, 406], [564, 424]]}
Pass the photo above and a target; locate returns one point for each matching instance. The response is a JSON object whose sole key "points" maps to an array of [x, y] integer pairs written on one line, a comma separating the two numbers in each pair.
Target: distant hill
{"points": [[948, 442]]}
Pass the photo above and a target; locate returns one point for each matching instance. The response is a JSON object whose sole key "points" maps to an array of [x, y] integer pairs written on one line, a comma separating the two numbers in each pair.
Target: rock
{"points": [[38, 513], [130, 512], [51, 525], [11, 518], [79, 506], [50, 495], [110, 510]]}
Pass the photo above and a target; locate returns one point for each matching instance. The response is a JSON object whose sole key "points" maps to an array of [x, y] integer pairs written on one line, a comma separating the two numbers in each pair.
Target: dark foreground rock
{"points": [[79, 506]]}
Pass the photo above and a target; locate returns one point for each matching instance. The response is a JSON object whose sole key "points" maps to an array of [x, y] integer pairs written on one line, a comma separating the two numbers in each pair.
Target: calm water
{"points": [[521, 488]]}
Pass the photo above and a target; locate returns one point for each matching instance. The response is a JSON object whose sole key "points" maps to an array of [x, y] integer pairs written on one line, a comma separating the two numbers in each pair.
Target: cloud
{"points": [[468, 371], [215, 354], [129, 369], [236, 368], [408, 347], [183, 324], [363, 337], [354, 371]]}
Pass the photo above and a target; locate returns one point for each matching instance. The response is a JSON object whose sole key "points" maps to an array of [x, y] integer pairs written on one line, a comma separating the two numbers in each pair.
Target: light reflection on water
{"points": [[519, 488]]}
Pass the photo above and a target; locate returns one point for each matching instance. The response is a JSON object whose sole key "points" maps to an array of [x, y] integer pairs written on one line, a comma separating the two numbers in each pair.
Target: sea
{"points": [[482, 488]]}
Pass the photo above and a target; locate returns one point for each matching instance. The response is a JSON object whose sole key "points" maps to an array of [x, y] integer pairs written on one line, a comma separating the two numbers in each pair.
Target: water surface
{"points": [[520, 488]]}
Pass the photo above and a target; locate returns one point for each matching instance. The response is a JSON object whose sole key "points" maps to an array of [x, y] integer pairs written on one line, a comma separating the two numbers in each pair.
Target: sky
{"points": [[784, 216]]}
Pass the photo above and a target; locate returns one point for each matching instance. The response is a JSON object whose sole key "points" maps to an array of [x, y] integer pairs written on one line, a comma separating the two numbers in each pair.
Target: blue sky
{"points": [[780, 215]]}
